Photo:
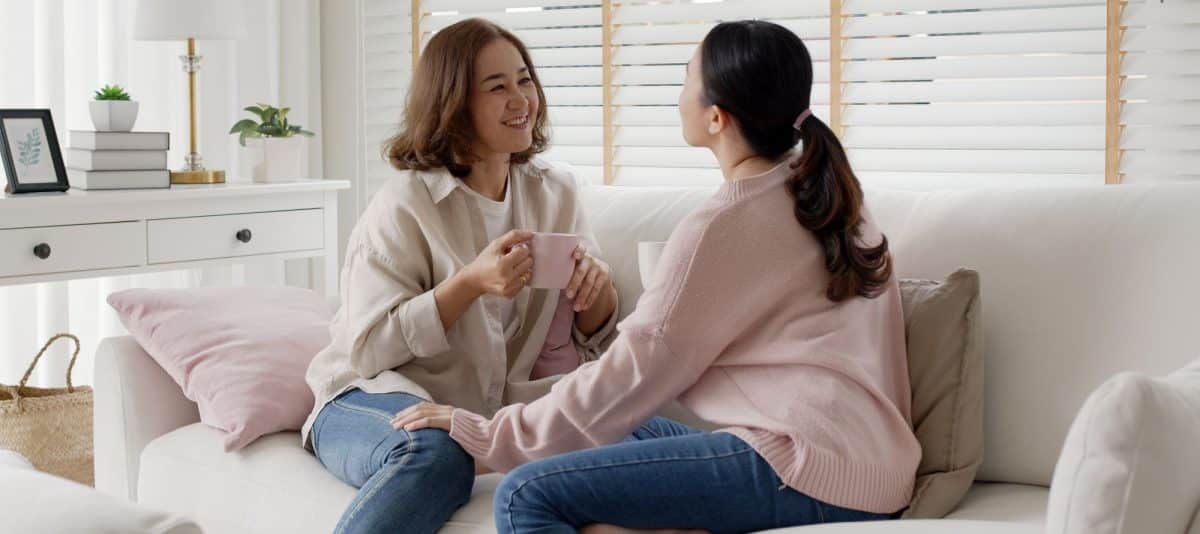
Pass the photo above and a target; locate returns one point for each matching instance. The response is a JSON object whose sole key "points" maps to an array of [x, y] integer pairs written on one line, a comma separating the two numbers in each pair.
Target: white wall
{"points": [[339, 104], [54, 53]]}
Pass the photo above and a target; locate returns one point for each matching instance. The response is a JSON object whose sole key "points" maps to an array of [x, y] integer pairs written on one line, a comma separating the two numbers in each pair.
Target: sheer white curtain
{"points": [[54, 53]]}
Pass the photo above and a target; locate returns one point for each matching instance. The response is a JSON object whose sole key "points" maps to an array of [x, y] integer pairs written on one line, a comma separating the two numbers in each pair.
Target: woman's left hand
{"points": [[423, 415], [591, 277]]}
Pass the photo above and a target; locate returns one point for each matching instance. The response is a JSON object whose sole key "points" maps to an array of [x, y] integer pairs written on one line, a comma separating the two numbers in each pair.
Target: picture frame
{"points": [[33, 161]]}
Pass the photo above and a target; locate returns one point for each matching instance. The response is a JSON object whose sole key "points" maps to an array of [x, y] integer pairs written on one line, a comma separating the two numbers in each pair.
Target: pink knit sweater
{"points": [[736, 325]]}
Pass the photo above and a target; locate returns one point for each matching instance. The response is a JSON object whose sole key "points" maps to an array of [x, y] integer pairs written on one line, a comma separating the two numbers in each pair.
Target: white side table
{"points": [[81, 234]]}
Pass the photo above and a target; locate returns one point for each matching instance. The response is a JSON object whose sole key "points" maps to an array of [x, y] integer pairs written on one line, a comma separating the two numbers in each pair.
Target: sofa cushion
{"points": [[240, 353], [1080, 283], [1013, 503], [987, 509], [229, 492], [943, 333], [271, 486], [1130, 460], [920, 526], [38, 502]]}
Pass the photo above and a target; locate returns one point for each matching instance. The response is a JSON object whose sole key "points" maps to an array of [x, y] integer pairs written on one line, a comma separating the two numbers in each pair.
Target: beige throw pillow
{"points": [[945, 367]]}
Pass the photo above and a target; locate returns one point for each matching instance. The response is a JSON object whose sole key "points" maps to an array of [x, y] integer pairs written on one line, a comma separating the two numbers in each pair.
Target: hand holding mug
{"points": [[505, 267]]}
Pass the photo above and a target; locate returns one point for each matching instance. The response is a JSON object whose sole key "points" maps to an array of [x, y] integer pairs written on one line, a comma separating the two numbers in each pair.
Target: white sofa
{"points": [[1078, 284]]}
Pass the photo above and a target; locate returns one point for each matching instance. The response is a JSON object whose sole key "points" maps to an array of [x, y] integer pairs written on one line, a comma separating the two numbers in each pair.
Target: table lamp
{"points": [[177, 20]]}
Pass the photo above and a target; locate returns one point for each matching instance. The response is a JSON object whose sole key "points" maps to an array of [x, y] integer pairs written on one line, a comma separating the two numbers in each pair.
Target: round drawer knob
{"points": [[42, 251], [243, 235]]}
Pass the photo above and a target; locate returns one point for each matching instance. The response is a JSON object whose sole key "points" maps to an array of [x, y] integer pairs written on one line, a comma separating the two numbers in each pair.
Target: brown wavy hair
{"points": [[436, 129], [761, 74]]}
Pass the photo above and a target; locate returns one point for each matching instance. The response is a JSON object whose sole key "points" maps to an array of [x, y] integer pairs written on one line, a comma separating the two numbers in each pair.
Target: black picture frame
{"points": [[26, 151]]}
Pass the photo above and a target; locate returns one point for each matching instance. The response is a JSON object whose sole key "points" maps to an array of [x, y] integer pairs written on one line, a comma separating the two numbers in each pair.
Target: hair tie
{"points": [[800, 120]]}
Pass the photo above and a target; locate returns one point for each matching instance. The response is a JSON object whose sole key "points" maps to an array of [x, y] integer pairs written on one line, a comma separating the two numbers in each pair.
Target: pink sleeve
{"points": [[604, 400], [598, 404]]}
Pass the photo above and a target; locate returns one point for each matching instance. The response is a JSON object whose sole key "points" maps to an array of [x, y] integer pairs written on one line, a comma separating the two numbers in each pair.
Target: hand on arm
{"points": [[592, 289]]}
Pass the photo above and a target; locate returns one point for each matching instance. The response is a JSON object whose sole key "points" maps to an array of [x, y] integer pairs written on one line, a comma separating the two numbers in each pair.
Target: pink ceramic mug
{"points": [[553, 260]]}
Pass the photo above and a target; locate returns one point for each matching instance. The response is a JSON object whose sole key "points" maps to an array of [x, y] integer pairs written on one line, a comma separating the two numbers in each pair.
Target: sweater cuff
{"points": [[470, 430], [422, 326]]}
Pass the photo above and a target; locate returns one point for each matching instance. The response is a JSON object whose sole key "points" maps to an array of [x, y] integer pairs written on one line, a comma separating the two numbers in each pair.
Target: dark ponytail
{"points": [[761, 74]]}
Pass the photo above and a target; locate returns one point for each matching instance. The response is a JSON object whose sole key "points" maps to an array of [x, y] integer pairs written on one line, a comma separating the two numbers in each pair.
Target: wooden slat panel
{"points": [[978, 114], [886, 6], [1091, 41], [995, 161], [1018, 20]]}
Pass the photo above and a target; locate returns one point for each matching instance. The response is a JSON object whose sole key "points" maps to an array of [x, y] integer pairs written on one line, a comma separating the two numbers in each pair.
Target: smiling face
{"points": [[503, 102]]}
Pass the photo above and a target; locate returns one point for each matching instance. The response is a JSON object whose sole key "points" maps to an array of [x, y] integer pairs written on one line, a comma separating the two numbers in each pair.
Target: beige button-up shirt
{"points": [[420, 229]]}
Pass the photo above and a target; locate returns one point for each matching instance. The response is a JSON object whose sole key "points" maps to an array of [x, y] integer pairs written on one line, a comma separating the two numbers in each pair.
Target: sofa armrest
{"points": [[136, 401]]}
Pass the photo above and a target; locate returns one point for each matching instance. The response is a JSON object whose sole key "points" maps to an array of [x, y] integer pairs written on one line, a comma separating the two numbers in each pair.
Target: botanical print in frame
{"points": [[29, 148]]}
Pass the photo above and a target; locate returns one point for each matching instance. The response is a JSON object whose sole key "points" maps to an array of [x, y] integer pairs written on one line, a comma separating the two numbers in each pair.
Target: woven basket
{"points": [[52, 427]]}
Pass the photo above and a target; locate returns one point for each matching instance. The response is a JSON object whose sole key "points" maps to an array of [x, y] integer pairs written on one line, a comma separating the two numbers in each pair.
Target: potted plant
{"points": [[112, 110], [282, 150]]}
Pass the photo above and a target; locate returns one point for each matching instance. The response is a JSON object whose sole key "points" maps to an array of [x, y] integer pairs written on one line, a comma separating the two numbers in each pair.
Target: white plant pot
{"points": [[113, 115], [278, 159]]}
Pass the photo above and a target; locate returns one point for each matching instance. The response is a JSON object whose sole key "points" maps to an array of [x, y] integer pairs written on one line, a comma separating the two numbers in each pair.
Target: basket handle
{"points": [[70, 367]]}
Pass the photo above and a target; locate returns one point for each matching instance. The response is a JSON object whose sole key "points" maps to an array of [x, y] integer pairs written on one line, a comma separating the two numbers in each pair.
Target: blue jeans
{"points": [[407, 481], [666, 475]]}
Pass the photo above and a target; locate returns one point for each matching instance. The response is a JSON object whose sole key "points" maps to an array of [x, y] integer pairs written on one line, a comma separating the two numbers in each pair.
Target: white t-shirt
{"points": [[497, 220]]}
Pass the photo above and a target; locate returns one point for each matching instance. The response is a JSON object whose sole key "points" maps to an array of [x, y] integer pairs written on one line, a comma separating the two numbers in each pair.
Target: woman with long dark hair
{"points": [[774, 313]]}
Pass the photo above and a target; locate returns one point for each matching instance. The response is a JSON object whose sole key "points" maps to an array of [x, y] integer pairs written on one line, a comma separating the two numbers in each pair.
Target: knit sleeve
{"points": [[661, 350]]}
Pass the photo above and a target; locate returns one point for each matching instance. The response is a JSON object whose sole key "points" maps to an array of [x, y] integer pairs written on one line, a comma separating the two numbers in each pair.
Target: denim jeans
{"points": [[407, 481], [666, 475]]}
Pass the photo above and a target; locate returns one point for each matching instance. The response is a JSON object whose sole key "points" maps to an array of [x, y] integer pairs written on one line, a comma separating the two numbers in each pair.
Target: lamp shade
{"points": [[176, 20]]}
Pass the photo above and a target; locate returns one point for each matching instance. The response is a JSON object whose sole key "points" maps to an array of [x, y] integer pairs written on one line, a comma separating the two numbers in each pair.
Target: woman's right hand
{"points": [[504, 267]]}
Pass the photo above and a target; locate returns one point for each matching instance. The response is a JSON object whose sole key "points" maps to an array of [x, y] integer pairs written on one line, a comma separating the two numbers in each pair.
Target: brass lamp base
{"points": [[198, 177]]}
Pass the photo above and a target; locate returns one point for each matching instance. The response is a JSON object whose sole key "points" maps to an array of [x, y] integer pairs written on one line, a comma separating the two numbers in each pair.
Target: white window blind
{"points": [[386, 55], [932, 92], [652, 43], [1161, 90], [1004, 90]]}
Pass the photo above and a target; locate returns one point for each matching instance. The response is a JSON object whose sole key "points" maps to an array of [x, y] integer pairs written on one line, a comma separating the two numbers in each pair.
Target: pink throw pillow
{"points": [[240, 353]]}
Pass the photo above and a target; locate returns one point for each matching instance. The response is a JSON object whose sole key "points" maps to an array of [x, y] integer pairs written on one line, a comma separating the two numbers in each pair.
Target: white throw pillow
{"points": [[38, 502], [1131, 461]]}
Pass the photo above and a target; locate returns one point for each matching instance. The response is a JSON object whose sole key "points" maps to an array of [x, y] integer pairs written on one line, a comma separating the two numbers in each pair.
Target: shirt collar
{"points": [[441, 183]]}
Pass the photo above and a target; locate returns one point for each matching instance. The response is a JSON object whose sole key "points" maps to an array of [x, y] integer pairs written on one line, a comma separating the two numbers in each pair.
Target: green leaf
{"points": [[306, 133], [242, 125], [257, 111], [111, 92], [247, 134], [283, 114], [269, 115]]}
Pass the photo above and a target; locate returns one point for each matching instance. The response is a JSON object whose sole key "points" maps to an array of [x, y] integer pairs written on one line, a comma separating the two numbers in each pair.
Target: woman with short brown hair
{"points": [[435, 304]]}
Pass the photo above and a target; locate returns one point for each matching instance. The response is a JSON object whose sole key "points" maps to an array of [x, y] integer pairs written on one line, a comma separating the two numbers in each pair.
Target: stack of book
{"points": [[118, 160]]}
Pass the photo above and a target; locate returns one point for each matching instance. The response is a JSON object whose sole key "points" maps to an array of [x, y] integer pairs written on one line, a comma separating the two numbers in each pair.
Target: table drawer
{"points": [[58, 249], [228, 236]]}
